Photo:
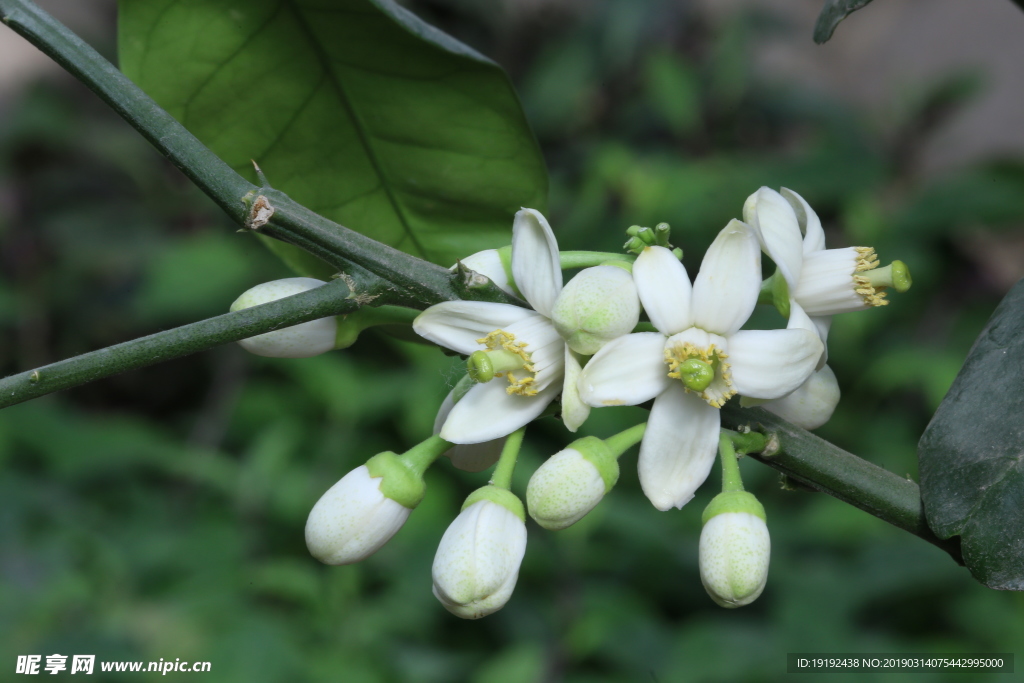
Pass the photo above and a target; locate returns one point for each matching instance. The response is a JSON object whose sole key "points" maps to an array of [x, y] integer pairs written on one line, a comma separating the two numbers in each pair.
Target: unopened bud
{"points": [[734, 549], [571, 483], [598, 305], [298, 341]]}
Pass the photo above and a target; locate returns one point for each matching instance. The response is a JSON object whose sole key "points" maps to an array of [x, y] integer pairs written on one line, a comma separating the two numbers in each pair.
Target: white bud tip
{"points": [[734, 552], [477, 562], [353, 519], [563, 490]]}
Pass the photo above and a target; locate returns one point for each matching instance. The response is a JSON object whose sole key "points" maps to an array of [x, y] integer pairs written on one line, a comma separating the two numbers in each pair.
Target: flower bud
{"points": [[571, 483], [354, 518], [598, 305], [477, 561], [298, 341], [813, 402], [734, 549]]}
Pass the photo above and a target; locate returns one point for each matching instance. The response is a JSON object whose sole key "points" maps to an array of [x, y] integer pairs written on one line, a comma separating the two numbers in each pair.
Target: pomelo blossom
{"points": [[520, 366], [697, 360], [821, 282]]}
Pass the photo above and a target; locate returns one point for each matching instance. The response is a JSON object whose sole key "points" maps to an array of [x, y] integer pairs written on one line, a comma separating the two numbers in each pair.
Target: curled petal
{"points": [[627, 371], [679, 447], [664, 289], [810, 224], [726, 289], [772, 363], [778, 230], [535, 262], [457, 325]]}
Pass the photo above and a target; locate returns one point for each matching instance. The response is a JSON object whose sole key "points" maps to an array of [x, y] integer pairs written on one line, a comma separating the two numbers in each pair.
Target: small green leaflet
{"points": [[355, 108], [972, 453]]}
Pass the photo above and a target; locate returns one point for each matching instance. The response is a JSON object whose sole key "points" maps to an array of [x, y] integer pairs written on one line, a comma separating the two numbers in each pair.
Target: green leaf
{"points": [[972, 453], [832, 13], [355, 108]]}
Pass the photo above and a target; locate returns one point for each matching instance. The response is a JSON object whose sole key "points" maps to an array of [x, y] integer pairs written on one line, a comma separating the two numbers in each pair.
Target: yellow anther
{"points": [[499, 340], [720, 389]]}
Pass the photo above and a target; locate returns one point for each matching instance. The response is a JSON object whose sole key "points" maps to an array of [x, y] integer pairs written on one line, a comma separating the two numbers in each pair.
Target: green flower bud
{"points": [[598, 305]]}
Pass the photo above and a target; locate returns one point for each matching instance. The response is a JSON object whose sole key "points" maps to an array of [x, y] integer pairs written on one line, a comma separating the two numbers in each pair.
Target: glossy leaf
{"points": [[972, 453], [355, 108], [832, 13]]}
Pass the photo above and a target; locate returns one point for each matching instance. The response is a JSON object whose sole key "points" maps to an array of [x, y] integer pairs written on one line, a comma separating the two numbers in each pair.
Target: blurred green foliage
{"points": [[160, 513]]}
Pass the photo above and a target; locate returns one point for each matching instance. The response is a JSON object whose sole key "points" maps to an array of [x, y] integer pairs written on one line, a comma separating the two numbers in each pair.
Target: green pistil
{"points": [[482, 366], [695, 374], [895, 275]]}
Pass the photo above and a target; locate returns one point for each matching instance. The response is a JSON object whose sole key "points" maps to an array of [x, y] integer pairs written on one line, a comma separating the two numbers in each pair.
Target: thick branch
{"points": [[822, 466], [331, 299]]}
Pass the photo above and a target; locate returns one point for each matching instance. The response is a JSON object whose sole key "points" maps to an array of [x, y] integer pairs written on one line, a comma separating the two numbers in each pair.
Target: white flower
{"points": [[477, 562], [812, 403], [564, 489], [529, 354], [470, 457], [822, 282], [353, 519], [699, 345], [298, 341], [734, 552]]}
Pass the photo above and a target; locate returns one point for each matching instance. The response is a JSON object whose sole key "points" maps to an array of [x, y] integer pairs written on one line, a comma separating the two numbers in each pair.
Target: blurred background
{"points": [[160, 514]]}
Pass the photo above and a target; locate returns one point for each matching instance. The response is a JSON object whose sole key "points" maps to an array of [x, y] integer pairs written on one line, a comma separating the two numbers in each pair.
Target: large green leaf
{"points": [[355, 108], [972, 453]]}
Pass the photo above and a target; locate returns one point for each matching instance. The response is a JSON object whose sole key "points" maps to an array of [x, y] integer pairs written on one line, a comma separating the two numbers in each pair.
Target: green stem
{"points": [[353, 324], [586, 259], [731, 480], [824, 467], [507, 461], [422, 455], [624, 440], [330, 299]]}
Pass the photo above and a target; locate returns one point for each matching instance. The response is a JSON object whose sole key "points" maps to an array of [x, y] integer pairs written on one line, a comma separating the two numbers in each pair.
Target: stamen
{"points": [[503, 356], [867, 260]]}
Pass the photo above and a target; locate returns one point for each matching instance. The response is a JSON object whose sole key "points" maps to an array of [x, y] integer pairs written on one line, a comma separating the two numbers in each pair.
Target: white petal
{"points": [[489, 412], [810, 224], [778, 230], [827, 286], [822, 323], [679, 447], [535, 262], [726, 289], [458, 324], [353, 519], [664, 289], [812, 404], [772, 363], [475, 457], [574, 411], [799, 320], [488, 263], [627, 371]]}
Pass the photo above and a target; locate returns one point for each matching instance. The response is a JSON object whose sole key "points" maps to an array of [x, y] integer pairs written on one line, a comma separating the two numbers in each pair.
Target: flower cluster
{"points": [[583, 343]]}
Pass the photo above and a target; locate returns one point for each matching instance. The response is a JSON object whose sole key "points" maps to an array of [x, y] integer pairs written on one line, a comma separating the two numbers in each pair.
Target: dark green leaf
{"points": [[832, 13], [355, 108], [972, 453]]}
